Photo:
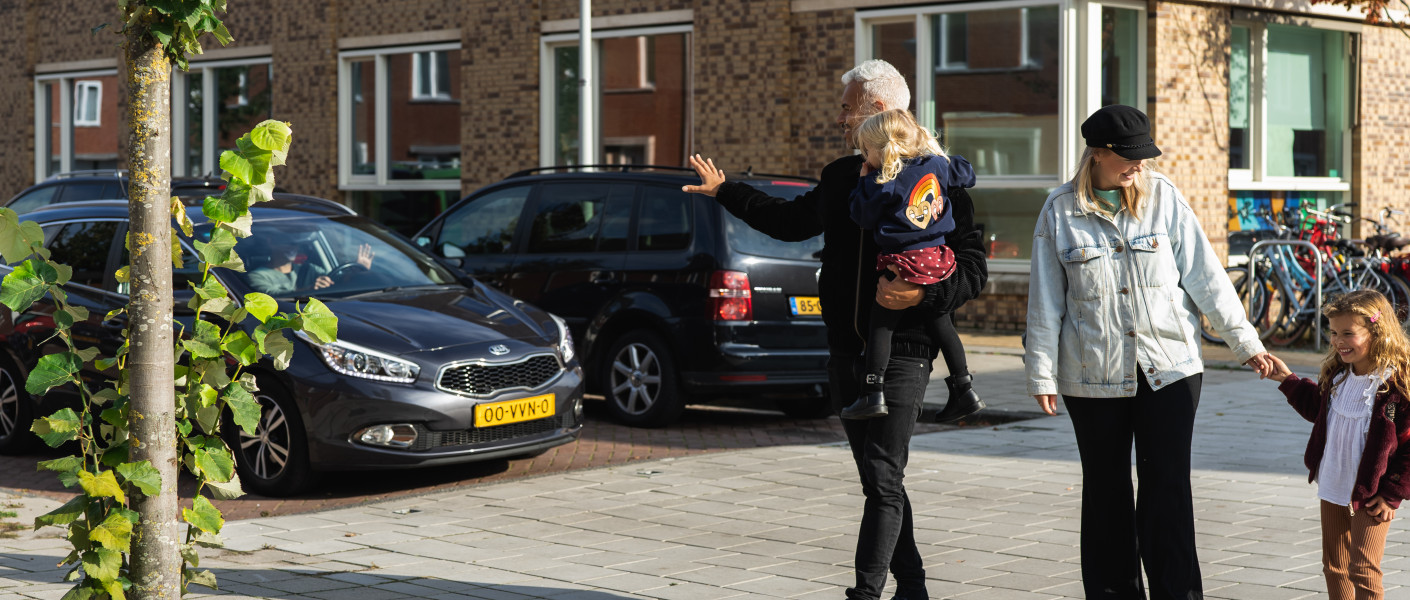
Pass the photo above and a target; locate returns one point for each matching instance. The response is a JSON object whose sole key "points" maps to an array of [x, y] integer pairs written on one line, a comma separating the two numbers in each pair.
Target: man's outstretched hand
{"points": [[710, 176]]}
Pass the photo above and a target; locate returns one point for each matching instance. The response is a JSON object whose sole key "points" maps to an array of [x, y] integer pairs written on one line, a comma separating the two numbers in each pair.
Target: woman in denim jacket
{"points": [[1121, 273]]}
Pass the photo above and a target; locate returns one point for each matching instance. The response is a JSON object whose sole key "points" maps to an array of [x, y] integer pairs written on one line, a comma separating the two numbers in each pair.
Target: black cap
{"points": [[1121, 129]]}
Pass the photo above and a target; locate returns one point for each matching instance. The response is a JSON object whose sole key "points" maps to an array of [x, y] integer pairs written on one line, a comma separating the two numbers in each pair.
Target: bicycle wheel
{"points": [[1289, 313]]}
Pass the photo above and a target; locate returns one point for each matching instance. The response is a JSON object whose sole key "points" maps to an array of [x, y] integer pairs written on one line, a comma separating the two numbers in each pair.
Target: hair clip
{"points": [[1376, 316]]}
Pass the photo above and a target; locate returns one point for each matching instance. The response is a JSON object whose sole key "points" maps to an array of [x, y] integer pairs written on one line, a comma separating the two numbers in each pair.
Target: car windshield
{"points": [[745, 239], [331, 258]]}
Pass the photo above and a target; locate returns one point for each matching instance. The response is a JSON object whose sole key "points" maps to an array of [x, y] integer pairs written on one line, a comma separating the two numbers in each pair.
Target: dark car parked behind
{"points": [[430, 367], [77, 186], [670, 298]]}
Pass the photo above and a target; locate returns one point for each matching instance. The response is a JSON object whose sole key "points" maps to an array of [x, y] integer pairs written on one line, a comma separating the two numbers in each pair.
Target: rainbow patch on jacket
{"points": [[924, 203]]}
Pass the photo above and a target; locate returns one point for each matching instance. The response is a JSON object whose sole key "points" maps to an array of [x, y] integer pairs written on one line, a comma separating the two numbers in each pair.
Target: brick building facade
{"points": [[372, 88]]}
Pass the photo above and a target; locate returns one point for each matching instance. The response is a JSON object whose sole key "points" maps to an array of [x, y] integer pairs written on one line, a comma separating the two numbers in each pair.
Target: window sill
{"points": [[434, 100], [1290, 184]]}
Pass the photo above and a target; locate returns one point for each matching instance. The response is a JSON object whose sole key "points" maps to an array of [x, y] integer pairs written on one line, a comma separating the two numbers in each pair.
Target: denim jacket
{"points": [[1108, 295]]}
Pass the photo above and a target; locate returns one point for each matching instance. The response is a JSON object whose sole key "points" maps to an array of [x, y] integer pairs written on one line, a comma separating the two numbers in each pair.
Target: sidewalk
{"points": [[996, 511]]}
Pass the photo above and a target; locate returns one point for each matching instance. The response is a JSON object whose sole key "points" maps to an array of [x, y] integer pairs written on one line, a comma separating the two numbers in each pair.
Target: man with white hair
{"points": [[879, 446]]}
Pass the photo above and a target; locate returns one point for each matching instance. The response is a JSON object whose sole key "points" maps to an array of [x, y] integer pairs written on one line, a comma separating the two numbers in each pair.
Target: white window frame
{"points": [[1255, 178], [435, 93], [88, 93], [64, 82], [203, 74], [549, 94], [380, 179], [1079, 66]]}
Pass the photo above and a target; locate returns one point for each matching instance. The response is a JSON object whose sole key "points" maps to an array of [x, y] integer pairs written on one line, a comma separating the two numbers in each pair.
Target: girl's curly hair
{"points": [[1390, 347]]}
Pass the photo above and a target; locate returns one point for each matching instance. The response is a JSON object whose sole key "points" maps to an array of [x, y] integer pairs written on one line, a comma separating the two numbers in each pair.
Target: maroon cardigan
{"points": [[1385, 464]]}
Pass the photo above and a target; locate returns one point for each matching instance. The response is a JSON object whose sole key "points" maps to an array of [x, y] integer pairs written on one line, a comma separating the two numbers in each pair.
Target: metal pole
{"points": [[1253, 267], [587, 145]]}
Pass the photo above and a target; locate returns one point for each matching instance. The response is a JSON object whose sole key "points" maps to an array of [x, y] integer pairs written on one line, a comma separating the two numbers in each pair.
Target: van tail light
{"points": [[730, 296]]}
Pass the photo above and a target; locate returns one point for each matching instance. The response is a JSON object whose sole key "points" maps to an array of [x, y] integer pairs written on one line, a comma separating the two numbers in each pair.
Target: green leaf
{"points": [[78, 592], [239, 345], [203, 515], [212, 372], [261, 305], [210, 288], [123, 274], [66, 464], [19, 239], [115, 455], [272, 135], [178, 212], [212, 457], [244, 408], [105, 396], [206, 342], [246, 162], [102, 564], [86, 354], [225, 490], [51, 371], [191, 555], [60, 427], [220, 250], [23, 286], [241, 225], [319, 322], [142, 475], [226, 208], [102, 485], [207, 540], [203, 578], [63, 515], [114, 533], [279, 349]]}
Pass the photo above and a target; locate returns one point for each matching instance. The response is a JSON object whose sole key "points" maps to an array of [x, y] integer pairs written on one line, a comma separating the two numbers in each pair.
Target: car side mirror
{"points": [[451, 251], [423, 241]]}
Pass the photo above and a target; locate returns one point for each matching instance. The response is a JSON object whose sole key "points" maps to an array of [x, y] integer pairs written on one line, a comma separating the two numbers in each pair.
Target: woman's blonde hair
{"points": [[1133, 198], [897, 136], [1389, 347]]}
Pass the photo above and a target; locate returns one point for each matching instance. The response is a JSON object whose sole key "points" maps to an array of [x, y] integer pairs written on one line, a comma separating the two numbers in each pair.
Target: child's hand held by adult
{"points": [[1277, 369], [710, 176]]}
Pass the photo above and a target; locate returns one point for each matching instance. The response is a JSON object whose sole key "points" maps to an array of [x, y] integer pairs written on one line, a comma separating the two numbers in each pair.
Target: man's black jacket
{"points": [[849, 257]]}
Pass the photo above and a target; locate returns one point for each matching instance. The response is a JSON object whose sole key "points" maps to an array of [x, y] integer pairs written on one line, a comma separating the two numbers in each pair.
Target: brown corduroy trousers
{"points": [[1352, 546]]}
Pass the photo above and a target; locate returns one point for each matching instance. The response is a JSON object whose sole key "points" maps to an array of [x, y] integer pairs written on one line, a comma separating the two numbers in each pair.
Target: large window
{"points": [[990, 79], [399, 132], [213, 104], [1290, 107], [642, 98], [75, 122]]}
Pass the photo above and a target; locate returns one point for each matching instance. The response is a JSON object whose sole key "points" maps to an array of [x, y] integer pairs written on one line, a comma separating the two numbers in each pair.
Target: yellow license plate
{"points": [[514, 411], [804, 305]]}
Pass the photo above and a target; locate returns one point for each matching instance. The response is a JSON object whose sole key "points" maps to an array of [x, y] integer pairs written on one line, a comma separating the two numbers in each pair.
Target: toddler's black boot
{"points": [[869, 405], [964, 401]]}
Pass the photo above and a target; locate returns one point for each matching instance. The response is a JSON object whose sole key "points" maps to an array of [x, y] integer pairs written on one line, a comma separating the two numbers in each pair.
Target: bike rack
{"points": [[1253, 266]]}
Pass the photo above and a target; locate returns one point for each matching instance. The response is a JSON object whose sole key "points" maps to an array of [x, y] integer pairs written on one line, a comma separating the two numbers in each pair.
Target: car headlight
{"points": [[565, 339], [354, 360]]}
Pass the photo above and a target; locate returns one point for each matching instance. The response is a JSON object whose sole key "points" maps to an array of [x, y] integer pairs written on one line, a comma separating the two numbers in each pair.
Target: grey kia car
{"points": [[430, 367]]}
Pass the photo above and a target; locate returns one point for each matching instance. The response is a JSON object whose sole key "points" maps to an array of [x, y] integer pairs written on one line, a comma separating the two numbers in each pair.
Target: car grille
{"points": [[428, 440], [477, 379]]}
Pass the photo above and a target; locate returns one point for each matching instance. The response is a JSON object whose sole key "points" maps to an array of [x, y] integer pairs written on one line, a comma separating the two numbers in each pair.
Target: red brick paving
{"points": [[603, 443]]}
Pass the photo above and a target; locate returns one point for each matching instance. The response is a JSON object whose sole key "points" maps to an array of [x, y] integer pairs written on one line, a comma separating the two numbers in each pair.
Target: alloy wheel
{"points": [[267, 451], [636, 379], [9, 404]]}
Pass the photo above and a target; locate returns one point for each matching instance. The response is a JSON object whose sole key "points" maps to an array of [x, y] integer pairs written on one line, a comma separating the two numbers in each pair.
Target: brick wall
{"points": [[1381, 149], [1189, 84], [500, 71], [822, 50], [17, 98], [304, 39]]}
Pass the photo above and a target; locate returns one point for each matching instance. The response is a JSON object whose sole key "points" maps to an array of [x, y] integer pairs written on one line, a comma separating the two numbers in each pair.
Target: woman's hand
{"points": [[1047, 402], [364, 256], [897, 294], [1277, 369], [710, 177], [1379, 509]]}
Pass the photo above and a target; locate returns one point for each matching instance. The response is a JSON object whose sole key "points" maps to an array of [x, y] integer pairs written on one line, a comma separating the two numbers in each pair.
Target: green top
{"points": [[1109, 201]]}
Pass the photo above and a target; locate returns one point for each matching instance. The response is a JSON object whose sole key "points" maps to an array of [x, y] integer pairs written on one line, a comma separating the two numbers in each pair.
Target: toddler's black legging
{"points": [[883, 324]]}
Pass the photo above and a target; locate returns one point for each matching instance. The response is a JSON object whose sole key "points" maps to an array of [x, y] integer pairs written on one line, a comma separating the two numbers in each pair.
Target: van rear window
{"points": [[744, 239]]}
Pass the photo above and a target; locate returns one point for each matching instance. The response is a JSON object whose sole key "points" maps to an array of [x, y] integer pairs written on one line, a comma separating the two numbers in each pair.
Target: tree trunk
{"points": [[156, 557]]}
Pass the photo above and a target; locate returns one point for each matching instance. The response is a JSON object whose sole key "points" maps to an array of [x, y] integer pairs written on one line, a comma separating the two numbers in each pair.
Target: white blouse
{"points": [[1347, 423]]}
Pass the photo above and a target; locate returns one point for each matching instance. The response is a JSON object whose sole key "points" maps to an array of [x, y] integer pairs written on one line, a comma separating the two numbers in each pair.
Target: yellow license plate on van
{"points": [[804, 305], [514, 411]]}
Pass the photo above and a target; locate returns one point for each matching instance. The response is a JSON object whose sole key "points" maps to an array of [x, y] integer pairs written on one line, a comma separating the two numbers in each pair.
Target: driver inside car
{"points": [[281, 276]]}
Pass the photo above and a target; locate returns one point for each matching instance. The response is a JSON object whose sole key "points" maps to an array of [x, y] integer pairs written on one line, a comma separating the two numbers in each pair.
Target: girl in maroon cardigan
{"points": [[1359, 452]]}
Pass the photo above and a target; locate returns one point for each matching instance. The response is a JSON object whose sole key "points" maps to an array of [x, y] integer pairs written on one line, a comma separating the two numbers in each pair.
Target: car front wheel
{"points": [[640, 382], [273, 460]]}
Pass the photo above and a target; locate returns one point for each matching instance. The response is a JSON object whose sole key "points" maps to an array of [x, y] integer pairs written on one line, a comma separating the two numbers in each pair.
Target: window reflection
{"points": [[95, 139], [424, 115], [996, 88]]}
